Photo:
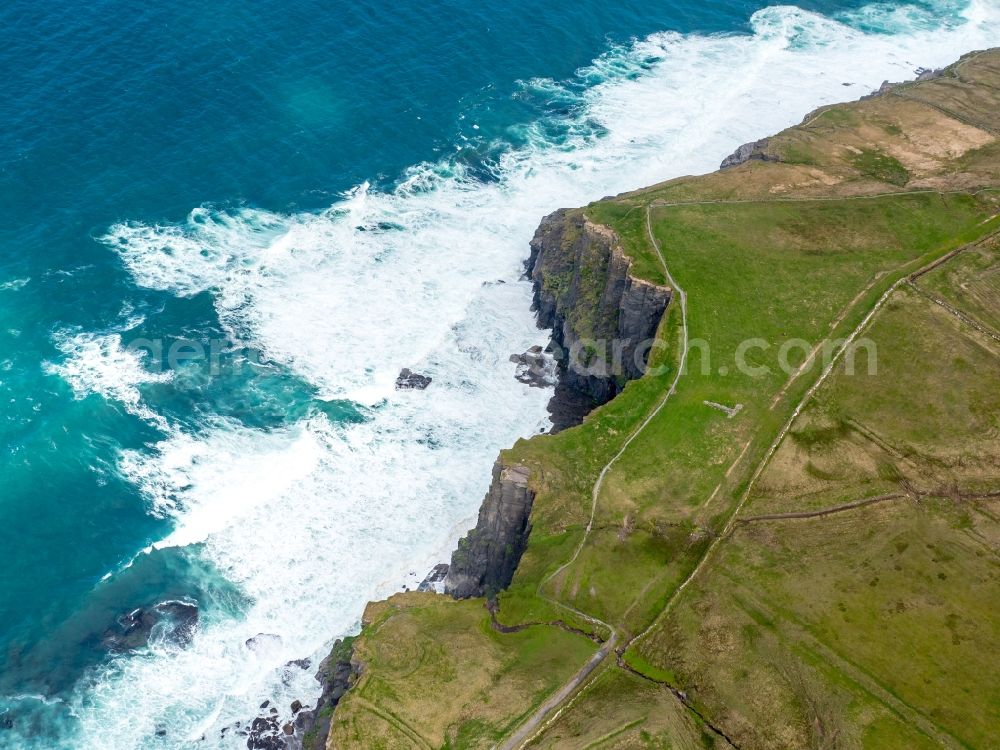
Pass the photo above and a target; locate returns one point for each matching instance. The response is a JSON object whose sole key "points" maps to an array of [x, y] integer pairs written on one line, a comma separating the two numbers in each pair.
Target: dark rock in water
{"points": [[756, 150], [410, 381], [130, 631], [182, 616], [265, 734], [262, 641], [288, 728], [174, 621], [262, 724], [265, 704], [161, 732], [536, 367], [291, 667], [487, 556], [6, 723], [296, 706], [437, 574]]}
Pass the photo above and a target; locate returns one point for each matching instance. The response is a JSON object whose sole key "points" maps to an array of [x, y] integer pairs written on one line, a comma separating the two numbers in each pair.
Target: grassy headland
{"points": [[818, 568]]}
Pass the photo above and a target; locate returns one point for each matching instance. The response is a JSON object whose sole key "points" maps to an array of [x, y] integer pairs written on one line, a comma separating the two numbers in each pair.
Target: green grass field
{"points": [[777, 273], [418, 691], [880, 611]]}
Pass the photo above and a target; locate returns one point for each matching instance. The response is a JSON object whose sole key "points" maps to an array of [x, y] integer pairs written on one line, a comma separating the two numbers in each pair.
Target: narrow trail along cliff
{"points": [[528, 730], [553, 707]]}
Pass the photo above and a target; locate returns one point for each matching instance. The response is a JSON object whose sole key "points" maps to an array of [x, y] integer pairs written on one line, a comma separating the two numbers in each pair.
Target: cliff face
{"points": [[312, 727], [603, 319], [487, 556]]}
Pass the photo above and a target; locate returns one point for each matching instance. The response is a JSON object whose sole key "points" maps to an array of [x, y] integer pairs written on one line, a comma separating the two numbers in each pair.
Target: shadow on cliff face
{"points": [[603, 318]]}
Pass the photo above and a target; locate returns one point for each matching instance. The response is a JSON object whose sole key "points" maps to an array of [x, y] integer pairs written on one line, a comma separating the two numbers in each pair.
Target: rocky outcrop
{"points": [[753, 150], [434, 581], [173, 621], [603, 318], [922, 74], [411, 381], [536, 367], [486, 558], [301, 727]]}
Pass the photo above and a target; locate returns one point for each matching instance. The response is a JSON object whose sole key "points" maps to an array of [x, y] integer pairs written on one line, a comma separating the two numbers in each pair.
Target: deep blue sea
{"points": [[225, 228]]}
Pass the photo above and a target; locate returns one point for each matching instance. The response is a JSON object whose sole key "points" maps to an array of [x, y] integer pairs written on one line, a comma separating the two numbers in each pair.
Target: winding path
{"points": [[529, 729], [552, 707]]}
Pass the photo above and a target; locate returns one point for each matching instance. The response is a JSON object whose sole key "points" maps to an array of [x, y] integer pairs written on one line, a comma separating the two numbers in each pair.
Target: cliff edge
{"points": [[603, 320], [486, 558]]}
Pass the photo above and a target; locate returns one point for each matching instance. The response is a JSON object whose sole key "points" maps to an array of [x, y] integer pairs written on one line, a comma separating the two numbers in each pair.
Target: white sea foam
{"points": [[98, 363], [14, 285], [314, 519]]}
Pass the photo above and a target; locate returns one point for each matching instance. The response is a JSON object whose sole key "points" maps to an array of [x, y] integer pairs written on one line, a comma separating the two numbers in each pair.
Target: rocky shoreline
{"points": [[602, 319]]}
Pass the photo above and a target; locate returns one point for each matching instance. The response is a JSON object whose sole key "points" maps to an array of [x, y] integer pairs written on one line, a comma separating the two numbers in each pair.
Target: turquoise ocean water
{"points": [[223, 231]]}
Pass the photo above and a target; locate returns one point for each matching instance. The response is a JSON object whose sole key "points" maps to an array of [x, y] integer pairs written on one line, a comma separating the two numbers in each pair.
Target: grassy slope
{"points": [[418, 690], [876, 614], [782, 639], [786, 282]]}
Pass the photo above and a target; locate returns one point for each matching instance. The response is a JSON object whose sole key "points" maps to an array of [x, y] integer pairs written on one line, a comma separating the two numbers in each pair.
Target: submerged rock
{"points": [[174, 621], [263, 641], [536, 367], [409, 380]]}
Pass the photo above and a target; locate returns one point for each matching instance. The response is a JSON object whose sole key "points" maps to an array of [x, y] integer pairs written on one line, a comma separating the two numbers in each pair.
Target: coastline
{"points": [[358, 257], [487, 558]]}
